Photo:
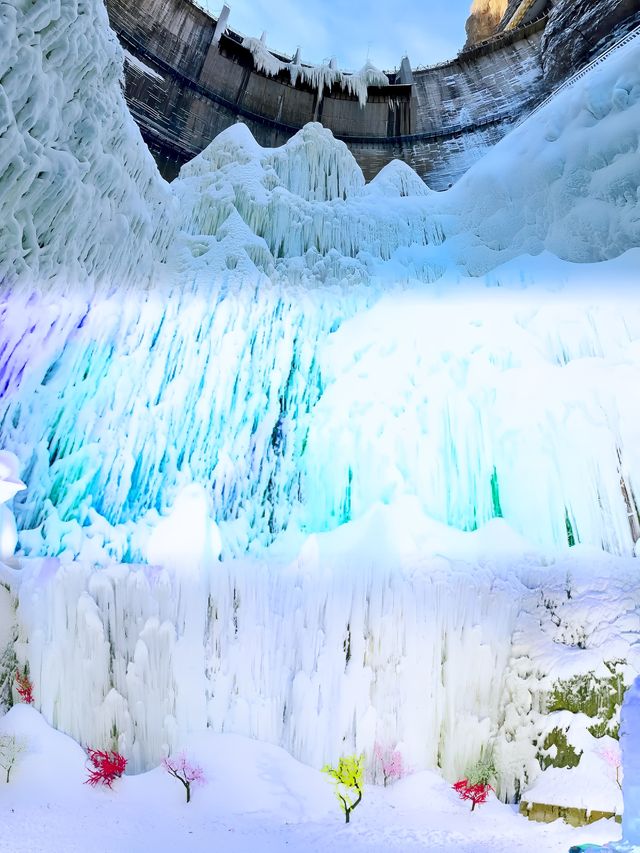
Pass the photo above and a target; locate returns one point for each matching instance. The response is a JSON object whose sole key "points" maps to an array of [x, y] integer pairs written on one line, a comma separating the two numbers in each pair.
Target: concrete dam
{"points": [[188, 76]]}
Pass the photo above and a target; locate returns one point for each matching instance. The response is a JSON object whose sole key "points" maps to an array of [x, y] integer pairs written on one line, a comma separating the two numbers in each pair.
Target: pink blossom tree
{"points": [[612, 757], [182, 769], [390, 762]]}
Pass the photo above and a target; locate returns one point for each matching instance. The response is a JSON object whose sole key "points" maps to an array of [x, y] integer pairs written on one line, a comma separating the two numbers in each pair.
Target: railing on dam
{"points": [[621, 43]]}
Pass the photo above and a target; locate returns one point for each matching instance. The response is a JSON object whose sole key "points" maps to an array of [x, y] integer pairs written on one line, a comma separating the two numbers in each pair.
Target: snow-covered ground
{"points": [[257, 798]]}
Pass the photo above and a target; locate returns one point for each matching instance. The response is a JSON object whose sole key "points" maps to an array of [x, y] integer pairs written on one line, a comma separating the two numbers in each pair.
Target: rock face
{"points": [[576, 30], [483, 20]]}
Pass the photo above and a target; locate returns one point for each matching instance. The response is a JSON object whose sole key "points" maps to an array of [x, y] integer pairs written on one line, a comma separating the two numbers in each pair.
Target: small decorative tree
{"points": [[612, 757], [475, 788], [24, 686], [349, 781], [391, 763], [107, 767], [10, 751], [186, 772]]}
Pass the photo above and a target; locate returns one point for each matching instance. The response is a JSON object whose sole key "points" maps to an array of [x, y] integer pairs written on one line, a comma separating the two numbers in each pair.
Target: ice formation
{"points": [[630, 737], [383, 413], [10, 485], [318, 77], [80, 195]]}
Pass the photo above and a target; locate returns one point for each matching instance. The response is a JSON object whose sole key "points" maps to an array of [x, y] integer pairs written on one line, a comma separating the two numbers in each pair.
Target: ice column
{"points": [[630, 740], [10, 484]]}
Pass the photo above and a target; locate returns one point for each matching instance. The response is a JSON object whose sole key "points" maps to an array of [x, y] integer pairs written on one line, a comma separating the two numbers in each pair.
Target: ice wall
{"points": [[319, 347], [392, 629], [80, 195], [349, 639], [305, 407], [630, 739], [313, 350]]}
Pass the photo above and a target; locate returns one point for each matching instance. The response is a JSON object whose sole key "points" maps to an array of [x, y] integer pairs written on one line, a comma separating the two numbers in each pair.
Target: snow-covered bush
{"points": [[182, 769], [348, 777], [107, 767], [11, 748]]}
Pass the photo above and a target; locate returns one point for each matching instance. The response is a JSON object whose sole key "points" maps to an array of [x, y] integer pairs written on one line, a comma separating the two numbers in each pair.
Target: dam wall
{"points": [[184, 87]]}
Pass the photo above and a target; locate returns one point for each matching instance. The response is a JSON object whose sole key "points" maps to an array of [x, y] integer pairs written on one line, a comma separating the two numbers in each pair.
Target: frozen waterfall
{"points": [[391, 412]]}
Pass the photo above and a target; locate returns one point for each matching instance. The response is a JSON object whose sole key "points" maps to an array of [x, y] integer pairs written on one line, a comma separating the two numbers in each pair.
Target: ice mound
{"points": [[80, 195], [397, 179]]}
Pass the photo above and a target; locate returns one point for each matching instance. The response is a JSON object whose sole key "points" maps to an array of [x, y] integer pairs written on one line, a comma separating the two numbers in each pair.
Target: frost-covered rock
{"points": [[575, 28], [484, 18]]}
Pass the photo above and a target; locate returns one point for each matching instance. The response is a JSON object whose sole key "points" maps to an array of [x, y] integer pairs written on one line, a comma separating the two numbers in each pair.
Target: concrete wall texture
{"points": [[183, 88]]}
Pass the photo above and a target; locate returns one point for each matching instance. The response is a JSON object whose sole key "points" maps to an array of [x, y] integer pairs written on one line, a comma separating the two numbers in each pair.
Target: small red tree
{"points": [[24, 687], [391, 763], [477, 793], [107, 767], [182, 769]]}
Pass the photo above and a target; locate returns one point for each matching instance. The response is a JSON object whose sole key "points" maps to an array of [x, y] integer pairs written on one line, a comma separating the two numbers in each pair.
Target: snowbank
{"points": [[256, 798]]}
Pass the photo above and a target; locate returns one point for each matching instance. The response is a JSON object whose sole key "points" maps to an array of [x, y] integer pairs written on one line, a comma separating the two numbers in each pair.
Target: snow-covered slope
{"points": [[256, 797]]}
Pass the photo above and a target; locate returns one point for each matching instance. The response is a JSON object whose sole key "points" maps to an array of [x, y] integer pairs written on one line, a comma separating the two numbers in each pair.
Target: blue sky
{"points": [[428, 31]]}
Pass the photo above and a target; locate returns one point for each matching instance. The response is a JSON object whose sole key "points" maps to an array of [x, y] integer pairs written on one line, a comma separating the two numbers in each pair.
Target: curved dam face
{"points": [[185, 83]]}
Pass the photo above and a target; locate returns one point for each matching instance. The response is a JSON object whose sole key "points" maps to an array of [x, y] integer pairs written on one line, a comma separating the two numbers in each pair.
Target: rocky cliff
{"points": [[579, 29], [484, 18]]}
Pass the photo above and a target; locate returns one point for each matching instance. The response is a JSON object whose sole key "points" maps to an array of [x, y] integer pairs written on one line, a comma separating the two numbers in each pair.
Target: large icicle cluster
{"points": [[308, 406], [80, 195], [318, 77], [332, 643]]}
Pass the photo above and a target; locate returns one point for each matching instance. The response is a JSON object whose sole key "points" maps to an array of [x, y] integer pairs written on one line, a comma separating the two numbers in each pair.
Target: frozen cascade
{"points": [[318, 653], [329, 643], [261, 400], [10, 485], [352, 375]]}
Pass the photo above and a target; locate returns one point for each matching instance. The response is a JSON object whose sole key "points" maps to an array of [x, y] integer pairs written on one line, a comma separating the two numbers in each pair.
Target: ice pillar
{"points": [[10, 484], [630, 741]]}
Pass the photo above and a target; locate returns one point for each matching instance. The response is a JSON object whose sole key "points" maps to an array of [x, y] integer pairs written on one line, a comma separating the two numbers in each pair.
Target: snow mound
{"points": [[397, 179], [567, 180]]}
